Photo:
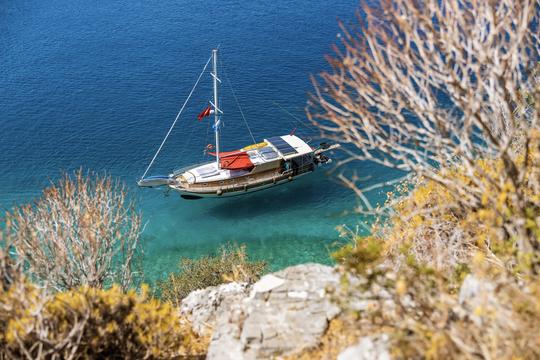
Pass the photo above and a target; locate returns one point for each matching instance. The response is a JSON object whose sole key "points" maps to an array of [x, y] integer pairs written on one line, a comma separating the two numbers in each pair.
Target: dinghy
{"points": [[275, 160]]}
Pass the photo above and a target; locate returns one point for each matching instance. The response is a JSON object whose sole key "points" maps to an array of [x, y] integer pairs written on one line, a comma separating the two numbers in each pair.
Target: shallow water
{"points": [[96, 84]]}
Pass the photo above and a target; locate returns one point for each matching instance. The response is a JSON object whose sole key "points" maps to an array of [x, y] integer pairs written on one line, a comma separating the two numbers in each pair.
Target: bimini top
{"points": [[289, 146]]}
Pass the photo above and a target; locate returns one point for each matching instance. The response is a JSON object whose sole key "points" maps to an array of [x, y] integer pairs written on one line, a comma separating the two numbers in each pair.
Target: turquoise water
{"points": [[96, 84]]}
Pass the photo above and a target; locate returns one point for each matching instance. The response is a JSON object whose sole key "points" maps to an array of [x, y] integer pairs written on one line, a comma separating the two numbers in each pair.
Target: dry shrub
{"points": [[426, 315], [10, 267], [448, 92], [444, 236], [231, 264], [89, 323], [413, 265], [81, 231], [433, 88]]}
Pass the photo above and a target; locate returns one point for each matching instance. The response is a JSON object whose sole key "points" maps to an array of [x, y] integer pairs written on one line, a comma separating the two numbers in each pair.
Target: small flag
{"points": [[206, 112]]}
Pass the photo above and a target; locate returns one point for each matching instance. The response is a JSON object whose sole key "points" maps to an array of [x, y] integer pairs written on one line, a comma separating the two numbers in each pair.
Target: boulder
{"points": [[285, 313], [201, 307], [368, 348], [479, 302]]}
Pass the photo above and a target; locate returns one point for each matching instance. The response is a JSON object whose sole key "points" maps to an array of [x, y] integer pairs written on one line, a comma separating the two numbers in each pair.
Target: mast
{"points": [[215, 104]]}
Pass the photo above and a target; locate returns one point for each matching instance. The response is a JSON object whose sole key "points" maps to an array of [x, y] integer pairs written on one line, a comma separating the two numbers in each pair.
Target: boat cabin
{"points": [[279, 154]]}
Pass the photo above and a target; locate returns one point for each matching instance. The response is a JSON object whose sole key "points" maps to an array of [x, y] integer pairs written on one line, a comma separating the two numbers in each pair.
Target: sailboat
{"points": [[273, 161]]}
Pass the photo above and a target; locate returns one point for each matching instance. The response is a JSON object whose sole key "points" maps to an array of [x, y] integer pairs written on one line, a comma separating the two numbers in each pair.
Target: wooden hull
{"points": [[240, 189]]}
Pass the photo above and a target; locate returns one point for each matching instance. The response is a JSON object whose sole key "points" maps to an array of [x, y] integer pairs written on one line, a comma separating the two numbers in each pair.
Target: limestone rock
{"points": [[202, 307], [368, 348], [480, 303], [475, 291], [285, 313]]}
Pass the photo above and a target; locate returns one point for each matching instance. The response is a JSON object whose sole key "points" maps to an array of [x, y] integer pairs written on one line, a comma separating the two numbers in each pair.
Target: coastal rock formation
{"points": [[282, 314], [202, 307], [368, 348], [477, 298]]}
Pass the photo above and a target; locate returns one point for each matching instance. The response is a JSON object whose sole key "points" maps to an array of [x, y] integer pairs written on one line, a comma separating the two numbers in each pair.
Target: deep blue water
{"points": [[96, 84]]}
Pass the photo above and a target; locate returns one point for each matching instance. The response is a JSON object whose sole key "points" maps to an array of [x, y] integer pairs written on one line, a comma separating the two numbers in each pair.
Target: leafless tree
{"points": [[428, 87], [82, 231]]}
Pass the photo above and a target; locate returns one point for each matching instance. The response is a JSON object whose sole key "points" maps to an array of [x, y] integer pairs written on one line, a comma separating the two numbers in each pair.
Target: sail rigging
{"points": [[275, 160], [176, 119]]}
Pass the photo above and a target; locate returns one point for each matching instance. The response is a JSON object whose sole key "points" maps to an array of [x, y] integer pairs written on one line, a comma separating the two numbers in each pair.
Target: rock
{"points": [[369, 348], [479, 302], [473, 291], [285, 313], [267, 283], [202, 307]]}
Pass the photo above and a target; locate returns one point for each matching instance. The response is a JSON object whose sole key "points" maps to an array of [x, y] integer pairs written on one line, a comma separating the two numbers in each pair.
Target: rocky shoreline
{"points": [[288, 312], [283, 314]]}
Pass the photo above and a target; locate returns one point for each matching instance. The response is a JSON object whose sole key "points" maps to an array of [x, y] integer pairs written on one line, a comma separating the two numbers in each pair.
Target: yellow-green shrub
{"points": [[419, 256], [443, 229], [91, 323], [231, 264]]}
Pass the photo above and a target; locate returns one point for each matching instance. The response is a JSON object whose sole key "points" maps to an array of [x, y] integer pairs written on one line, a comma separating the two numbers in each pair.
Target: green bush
{"points": [[231, 264]]}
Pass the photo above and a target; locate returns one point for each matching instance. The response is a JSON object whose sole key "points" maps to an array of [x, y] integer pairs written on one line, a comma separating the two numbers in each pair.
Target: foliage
{"points": [[231, 264], [443, 235], [91, 323], [428, 313], [416, 260], [446, 91], [81, 231], [10, 267]]}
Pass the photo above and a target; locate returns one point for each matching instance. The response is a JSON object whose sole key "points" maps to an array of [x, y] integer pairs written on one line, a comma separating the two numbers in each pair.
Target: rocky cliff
{"points": [[288, 312]]}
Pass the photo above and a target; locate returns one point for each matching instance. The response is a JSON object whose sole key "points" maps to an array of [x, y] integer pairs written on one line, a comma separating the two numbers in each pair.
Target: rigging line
{"points": [[205, 152], [177, 117], [188, 142], [237, 102], [292, 115]]}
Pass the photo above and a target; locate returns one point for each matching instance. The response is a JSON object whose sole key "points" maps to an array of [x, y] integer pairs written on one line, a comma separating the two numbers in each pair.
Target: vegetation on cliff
{"points": [[230, 265], [448, 92], [91, 323]]}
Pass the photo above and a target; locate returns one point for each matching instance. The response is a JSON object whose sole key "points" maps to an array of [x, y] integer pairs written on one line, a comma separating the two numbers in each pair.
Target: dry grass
{"points": [[341, 333]]}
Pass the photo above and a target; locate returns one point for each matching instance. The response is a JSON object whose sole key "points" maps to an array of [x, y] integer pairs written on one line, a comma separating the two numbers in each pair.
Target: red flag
{"points": [[206, 112]]}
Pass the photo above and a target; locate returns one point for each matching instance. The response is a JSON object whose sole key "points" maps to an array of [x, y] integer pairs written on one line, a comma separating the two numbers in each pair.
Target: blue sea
{"points": [[96, 84]]}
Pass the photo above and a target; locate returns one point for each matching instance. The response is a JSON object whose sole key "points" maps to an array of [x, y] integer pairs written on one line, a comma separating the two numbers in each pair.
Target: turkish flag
{"points": [[206, 112]]}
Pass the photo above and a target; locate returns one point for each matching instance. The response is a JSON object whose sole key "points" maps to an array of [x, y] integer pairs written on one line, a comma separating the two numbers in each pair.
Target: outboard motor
{"points": [[320, 157]]}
